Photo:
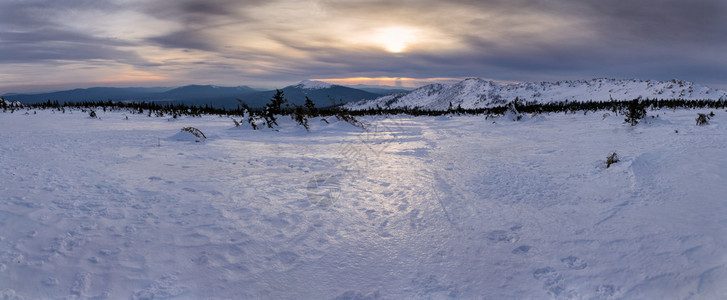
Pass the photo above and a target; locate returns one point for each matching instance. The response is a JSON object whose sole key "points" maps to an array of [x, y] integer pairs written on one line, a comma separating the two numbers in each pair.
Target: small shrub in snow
{"points": [[92, 114], [300, 115], [343, 114], [275, 107], [269, 118], [196, 132], [311, 107], [612, 159], [251, 121], [237, 124], [702, 119]]}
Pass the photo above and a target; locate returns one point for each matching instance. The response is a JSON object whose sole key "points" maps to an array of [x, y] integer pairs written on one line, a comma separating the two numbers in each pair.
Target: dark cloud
{"points": [[198, 18], [186, 39], [28, 35], [197, 12], [24, 15], [501, 39], [666, 21]]}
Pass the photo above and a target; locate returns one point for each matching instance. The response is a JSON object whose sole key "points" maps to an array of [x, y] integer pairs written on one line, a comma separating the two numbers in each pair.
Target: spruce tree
{"points": [[276, 103], [635, 112]]}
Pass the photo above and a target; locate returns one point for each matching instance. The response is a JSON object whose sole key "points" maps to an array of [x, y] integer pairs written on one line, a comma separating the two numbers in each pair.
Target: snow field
{"points": [[415, 207]]}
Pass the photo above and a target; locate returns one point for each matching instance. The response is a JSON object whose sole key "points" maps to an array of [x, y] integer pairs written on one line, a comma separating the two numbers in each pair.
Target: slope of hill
{"points": [[479, 93]]}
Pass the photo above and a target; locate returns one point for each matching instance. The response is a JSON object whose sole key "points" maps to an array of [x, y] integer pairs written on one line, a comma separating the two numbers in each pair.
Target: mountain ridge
{"points": [[474, 93], [200, 95]]}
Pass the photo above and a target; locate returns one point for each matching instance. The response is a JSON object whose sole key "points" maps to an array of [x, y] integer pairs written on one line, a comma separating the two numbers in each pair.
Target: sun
{"points": [[395, 39]]}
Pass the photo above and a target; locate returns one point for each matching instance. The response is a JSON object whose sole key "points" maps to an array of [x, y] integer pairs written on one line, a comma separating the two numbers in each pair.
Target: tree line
{"points": [[279, 106]]}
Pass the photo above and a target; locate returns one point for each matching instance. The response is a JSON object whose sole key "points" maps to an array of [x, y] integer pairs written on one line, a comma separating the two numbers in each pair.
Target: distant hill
{"points": [[90, 94], [206, 91], [201, 95], [478, 93], [322, 94]]}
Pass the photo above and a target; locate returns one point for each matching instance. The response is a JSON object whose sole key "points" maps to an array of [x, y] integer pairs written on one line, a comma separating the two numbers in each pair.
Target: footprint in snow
{"points": [[81, 284], [50, 281], [605, 291], [554, 283], [574, 263], [287, 257], [522, 249], [356, 295], [502, 236]]}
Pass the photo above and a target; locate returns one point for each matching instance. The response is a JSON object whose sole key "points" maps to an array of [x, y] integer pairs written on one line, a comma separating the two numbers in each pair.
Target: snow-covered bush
{"points": [[196, 132], [247, 113], [512, 112]]}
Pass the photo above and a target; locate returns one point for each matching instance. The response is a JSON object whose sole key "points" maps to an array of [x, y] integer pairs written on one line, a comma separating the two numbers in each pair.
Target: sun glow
{"points": [[395, 39]]}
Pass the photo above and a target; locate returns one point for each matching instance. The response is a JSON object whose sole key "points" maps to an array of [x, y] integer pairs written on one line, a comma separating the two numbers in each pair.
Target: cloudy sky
{"points": [[50, 44]]}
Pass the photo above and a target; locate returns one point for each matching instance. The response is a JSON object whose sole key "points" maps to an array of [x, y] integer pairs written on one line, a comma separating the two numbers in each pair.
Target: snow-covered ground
{"points": [[415, 208]]}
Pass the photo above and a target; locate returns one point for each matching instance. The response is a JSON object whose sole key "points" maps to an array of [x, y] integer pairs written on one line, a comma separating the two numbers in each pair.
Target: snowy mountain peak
{"points": [[479, 93], [313, 85]]}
